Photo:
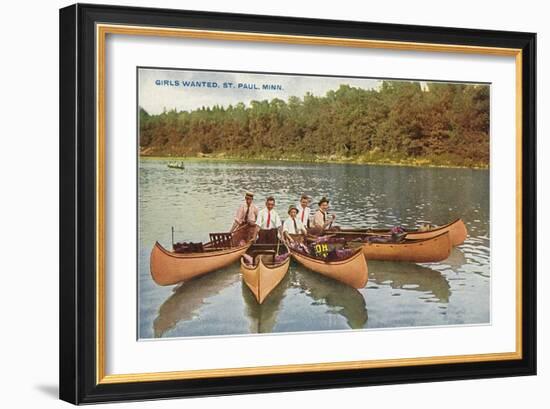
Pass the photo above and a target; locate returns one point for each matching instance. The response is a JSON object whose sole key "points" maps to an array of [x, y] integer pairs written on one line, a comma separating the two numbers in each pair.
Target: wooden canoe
{"points": [[168, 267], [352, 270], [264, 275], [457, 231], [428, 250]]}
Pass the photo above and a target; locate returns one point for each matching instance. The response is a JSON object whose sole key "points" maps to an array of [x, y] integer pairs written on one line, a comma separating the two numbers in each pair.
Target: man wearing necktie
{"points": [[322, 220], [247, 212], [268, 219], [303, 210], [293, 225]]}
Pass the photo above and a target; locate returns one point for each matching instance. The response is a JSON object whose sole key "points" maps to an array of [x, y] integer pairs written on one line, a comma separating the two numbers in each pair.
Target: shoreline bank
{"points": [[417, 163]]}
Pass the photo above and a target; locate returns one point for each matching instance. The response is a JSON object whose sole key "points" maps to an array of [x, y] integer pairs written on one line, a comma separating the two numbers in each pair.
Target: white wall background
{"points": [[29, 201]]}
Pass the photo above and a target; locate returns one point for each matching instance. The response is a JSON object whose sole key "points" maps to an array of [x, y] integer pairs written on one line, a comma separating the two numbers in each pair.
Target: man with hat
{"points": [[247, 213], [293, 225], [322, 220]]}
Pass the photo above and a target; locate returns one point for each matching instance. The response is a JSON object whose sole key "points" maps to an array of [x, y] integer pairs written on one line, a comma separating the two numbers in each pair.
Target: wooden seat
{"points": [[221, 240]]}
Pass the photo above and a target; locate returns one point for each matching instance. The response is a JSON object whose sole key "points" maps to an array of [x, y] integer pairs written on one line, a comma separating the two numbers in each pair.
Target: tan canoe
{"points": [[352, 271], [263, 277], [457, 231], [169, 268], [429, 250]]}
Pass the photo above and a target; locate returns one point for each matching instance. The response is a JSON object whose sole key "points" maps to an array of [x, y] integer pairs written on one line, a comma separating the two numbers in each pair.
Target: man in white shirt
{"points": [[293, 224], [268, 219], [303, 210]]}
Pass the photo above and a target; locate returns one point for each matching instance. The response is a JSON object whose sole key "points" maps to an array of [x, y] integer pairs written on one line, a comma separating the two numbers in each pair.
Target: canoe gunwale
{"points": [[407, 242], [256, 270], [205, 254], [357, 252], [408, 231], [269, 267]]}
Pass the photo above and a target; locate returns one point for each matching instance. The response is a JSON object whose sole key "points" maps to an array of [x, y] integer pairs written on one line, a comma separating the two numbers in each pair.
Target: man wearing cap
{"points": [[322, 220], [303, 210], [293, 225], [247, 213]]}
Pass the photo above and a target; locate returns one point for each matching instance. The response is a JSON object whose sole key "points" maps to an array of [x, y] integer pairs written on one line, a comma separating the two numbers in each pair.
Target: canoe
{"points": [[168, 267], [428, 250], [352, 270], [457, 231], [264, 275]]}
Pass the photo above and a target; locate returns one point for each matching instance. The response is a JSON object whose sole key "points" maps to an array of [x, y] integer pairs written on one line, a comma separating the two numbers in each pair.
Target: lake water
{"points": [[203, 198]]}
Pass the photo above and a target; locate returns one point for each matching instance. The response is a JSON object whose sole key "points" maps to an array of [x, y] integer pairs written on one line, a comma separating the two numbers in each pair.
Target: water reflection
{"points": [[263, 317], [410, 276], [189, 297], [338, 297], [456, 259]]}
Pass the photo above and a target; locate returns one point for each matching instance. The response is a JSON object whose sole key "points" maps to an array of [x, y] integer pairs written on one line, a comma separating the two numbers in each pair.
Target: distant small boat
{"points": [[176, 165], [264, 274]]}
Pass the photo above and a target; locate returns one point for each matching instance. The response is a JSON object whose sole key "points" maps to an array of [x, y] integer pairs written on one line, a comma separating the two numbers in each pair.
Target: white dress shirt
{"points": [[274, 219], [289, 227], [303, 214]]}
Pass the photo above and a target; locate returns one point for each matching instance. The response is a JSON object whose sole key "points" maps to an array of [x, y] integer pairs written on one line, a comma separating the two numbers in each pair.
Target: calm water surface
{"points": [[203, 198]]}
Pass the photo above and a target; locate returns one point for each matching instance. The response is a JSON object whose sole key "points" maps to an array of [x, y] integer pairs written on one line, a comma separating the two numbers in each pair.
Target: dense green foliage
{"points": [[443, 124]]}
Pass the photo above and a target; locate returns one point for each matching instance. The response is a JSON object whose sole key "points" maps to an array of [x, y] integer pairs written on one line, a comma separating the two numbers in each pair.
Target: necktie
{"points": [[295, 226], [303, 212], [246, 214], [324, 217], [268, 218]]}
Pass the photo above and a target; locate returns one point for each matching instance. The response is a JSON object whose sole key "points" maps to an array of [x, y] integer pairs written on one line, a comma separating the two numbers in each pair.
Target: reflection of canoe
{"points": [[351, 270], [343, 299], [263, 317], [457, 232], [185, 302], [456, 259], [410, 277], [417, 251], [264, 275], [168, 267]]}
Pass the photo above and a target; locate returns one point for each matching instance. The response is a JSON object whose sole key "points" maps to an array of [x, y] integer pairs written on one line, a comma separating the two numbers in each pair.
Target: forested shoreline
{"points": [[440, 124]]}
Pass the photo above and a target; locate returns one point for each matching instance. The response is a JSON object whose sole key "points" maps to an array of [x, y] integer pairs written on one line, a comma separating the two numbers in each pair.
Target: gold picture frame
{"points": [[92, 384]]}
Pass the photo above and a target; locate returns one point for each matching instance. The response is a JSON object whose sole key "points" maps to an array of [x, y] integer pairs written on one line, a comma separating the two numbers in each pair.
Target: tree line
{"points": [[398, 122]]}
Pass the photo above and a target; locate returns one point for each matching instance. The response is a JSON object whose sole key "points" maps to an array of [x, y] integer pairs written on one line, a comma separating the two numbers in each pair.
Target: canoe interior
{"points": [[303, 239], [267, 253], [386, 230], [261, 271], [355, 238], [225, 241]]}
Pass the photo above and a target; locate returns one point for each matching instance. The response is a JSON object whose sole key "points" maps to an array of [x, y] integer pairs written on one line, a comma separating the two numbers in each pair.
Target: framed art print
{"points": [[258, 203]]}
